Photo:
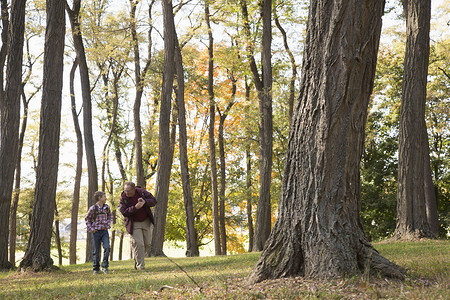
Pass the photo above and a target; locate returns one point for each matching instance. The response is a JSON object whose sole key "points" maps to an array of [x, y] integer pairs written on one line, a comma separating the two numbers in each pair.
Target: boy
{"points": [[98, 221]]}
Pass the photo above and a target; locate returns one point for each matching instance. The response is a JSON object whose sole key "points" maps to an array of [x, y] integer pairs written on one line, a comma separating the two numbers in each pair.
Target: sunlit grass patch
{"points": [[224, 277]]}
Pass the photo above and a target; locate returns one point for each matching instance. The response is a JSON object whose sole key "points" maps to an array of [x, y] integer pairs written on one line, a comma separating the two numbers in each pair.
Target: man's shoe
{"points": [[95, 272], [105, 270]]}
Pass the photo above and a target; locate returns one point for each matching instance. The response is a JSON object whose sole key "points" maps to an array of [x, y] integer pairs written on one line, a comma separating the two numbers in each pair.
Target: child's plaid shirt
{"points": [[103, 218]]}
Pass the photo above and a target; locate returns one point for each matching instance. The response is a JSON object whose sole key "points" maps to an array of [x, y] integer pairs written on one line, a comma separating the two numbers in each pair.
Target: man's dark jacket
{"points": [[129, 210]]}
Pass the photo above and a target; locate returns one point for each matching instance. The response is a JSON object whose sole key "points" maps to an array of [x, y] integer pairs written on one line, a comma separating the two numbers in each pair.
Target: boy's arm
{"points": [[88, 219]]}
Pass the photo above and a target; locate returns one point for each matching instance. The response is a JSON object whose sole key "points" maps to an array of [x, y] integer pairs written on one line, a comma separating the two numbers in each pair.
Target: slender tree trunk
{"points": [[223, 232], [430, 192], [191, 233], [5, 45], [114, 213], [164, 157], [293, 64], [118, 156], [10, 121], [113, 121], [74, 18], [212, 143], [249, 201], [249, 172], [222, 118], [263, 213], [78, 172], [58, 237], [139, 80], [411, 209], [318, 232], [15, 202], [122, 234], [37, 256], [264, 89]]}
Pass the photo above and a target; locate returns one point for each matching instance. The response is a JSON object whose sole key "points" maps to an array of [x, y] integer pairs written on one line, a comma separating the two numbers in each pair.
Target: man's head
{"points": [[129, 188]]}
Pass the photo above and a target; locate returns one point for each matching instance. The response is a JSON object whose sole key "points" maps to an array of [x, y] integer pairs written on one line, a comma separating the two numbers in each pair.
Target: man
{"points": [[135, 203], [98, 221]]}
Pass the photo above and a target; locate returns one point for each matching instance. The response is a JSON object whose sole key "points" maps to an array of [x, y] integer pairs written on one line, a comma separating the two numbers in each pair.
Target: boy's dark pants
{"points": [[101, 237]]}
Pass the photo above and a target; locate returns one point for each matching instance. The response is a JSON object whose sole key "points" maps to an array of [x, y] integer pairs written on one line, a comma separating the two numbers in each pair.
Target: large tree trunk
{"points": [[74, 18], [78, 172], [212, 143], [164, 157], [264, 89], [411, 210], [191, 233], [9, 123], [37, 255], [318, 232]]}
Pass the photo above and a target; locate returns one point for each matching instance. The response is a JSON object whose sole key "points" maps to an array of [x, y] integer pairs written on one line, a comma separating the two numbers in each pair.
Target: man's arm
{"points": [[149, 198], [109, 217], [125, 210]]}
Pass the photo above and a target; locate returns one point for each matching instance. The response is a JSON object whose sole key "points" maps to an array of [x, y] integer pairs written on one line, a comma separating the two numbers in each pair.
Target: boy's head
{"points": [[100, 196]]}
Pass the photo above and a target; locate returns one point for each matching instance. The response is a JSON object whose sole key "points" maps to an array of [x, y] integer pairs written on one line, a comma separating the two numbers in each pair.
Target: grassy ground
{"points": [[427, 262]]}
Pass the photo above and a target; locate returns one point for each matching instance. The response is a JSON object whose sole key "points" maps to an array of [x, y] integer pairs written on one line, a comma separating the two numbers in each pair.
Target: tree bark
{"points": [[318, 232], [411, 209], [212, 143], [10, 121], [191, 233], [37, 256], [78, 172], [164, 157]]}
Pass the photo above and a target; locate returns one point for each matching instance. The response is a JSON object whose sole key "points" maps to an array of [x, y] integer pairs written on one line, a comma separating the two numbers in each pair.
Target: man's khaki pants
{"points": [[140, 241]]}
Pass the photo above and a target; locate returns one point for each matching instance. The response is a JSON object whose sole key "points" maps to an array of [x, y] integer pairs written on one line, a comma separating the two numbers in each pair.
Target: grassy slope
{"points": [[428, 263]]}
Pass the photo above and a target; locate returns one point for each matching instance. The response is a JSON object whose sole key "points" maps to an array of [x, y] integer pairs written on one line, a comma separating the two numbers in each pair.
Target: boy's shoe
{"points": [[105, 270], [95, 272]]}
